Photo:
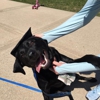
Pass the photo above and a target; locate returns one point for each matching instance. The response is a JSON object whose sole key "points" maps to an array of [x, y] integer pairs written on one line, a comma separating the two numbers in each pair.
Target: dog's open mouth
{"points": [[42, 62]]}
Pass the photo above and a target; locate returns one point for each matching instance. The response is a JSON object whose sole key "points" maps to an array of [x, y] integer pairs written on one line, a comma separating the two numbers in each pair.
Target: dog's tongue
{"points": [[38, 68]]}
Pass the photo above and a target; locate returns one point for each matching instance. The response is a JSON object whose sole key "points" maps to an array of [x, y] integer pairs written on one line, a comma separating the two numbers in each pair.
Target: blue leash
{"points": [[59, 94], [20, 84], [55, 95]]}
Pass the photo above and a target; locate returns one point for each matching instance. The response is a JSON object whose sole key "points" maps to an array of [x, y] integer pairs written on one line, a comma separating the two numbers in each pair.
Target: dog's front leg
{"points": [[47, 97]]}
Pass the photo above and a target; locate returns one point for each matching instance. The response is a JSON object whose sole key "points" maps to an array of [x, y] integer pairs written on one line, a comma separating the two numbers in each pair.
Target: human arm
{"points": [[60, 68], [80, 19], [83, 64]]}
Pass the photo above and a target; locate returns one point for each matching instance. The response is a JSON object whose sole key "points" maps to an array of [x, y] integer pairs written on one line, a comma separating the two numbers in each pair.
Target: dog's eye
{"points": [[22, 52], [30, 43]]}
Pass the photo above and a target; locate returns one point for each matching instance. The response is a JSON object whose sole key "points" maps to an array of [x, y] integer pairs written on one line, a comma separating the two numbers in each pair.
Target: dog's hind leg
{"points": [[47, 97]]}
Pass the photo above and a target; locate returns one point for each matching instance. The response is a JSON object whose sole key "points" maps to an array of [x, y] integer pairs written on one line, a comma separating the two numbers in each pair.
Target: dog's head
{"points": [[31, 51]]}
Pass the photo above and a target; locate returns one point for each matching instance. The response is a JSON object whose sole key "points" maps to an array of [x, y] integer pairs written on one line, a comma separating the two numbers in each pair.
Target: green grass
{"points": [[68, 5]]}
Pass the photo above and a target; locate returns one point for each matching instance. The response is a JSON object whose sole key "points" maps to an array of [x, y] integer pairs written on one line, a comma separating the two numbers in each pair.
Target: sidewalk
{"points": [[15, 19]]}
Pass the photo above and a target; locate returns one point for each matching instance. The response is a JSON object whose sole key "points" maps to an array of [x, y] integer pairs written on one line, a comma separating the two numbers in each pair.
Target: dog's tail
{"points": [[88, 79]]}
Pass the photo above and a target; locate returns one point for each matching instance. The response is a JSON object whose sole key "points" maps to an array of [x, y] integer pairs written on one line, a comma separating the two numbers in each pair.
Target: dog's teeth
{"points": [[42, 65], [45, 62], [45, 59]]}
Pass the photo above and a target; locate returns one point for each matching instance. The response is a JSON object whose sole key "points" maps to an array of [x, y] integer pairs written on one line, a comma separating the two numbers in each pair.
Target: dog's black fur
{"points": [[31, 51]]}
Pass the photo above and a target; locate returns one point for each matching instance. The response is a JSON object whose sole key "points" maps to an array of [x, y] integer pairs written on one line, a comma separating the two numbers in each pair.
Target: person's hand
{"points": [[39, 35], [56, 64]]}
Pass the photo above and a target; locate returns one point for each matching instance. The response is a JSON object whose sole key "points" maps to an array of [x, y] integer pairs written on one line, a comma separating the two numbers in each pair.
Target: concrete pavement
{"points": [[15, 19]]}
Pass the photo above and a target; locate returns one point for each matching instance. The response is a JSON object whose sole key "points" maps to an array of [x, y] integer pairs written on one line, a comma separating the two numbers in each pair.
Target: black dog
{"points": [[35, 53]]}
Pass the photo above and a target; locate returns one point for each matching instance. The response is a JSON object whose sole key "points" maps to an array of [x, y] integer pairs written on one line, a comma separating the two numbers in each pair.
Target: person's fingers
{"points": [[39, 35], [58, 63], [53, 70]]}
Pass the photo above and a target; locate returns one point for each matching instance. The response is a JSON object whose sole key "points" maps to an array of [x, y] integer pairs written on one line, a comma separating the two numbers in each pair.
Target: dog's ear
{"points": [[18, 67], [45, 41]]}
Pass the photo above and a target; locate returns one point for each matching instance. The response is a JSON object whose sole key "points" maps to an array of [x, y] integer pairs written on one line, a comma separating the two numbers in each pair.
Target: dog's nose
{"points": [[31, 53]]}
